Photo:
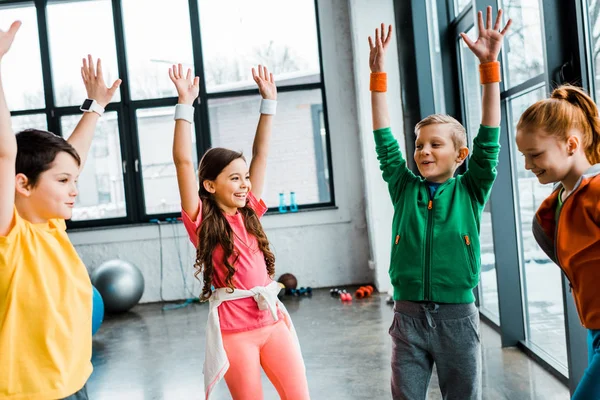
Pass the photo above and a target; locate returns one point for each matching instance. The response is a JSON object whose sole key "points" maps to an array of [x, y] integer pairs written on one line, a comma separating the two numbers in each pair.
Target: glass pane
{"points": [[469, 67], [287, 44], [460, 5], [22, 66], [101, 188], [299, 141], [594, 46], [156, 39], [73, 35], [488, 285], [155, 129], [524, 45], [542, 278], [435, 55], [32, 121]]}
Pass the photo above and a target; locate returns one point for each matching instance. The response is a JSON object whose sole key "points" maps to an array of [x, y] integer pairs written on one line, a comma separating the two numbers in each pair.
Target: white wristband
{"points": [[185, 112], [268, 106]]}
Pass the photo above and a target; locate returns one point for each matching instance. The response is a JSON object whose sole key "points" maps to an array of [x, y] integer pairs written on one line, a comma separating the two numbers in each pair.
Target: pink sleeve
{"points": [[259, 206], [192, 226]]}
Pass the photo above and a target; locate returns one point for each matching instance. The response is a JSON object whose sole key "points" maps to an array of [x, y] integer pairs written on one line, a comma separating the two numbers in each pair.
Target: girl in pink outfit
{"points": [[248, 327]]}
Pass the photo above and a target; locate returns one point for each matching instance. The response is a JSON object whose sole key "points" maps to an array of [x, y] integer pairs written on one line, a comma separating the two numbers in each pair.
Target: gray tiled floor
{"points": [[154, 354]]}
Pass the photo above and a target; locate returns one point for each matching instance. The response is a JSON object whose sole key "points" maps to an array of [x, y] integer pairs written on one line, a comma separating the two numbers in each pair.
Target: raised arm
{"points": [[187, 90], [379, 106], [8, 144], [486, 49], [260, 147], [81, 138]]}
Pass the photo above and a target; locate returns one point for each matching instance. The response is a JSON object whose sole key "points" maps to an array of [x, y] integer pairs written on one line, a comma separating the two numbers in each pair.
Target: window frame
{"points": [[127, 108]]}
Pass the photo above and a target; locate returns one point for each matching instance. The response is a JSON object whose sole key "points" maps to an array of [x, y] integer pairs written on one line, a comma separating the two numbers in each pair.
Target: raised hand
{"points": [[487, 46], [378, 48], [265, 82], [6, 38], [94, 82], [187, 88]]}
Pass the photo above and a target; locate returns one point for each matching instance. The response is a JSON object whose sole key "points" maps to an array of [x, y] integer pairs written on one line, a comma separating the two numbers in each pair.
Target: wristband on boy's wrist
{"points": [[378, 82], [185, 112], [268, 107], [489, 72]]}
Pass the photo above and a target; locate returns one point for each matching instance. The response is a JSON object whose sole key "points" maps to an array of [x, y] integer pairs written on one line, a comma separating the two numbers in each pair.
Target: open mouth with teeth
{"points": [[241, 195]]}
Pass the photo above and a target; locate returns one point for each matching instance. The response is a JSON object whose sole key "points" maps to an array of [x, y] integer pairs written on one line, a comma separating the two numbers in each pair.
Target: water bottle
{"points": [[293, 204], [282, 207]]}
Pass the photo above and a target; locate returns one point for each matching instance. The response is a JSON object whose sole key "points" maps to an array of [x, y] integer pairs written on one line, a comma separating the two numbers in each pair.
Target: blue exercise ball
{"points": [[120, 283], [97, 311]]}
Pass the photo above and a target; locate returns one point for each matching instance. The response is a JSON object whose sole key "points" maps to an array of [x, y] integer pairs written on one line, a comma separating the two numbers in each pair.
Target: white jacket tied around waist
{"points": [[216, 362]]}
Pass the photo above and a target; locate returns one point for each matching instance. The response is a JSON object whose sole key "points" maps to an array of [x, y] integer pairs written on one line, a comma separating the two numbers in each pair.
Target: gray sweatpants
{"points": [[81, 394], [444, 334]]}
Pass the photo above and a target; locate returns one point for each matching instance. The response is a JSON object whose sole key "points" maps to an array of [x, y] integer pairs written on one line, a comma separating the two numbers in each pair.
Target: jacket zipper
{"points": [[427, 280], [470, 255], [558, 259]]}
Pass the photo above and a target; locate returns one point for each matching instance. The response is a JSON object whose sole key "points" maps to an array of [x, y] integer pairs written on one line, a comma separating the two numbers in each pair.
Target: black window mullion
{"points": [[201, 118], [325, 112], [134, 199], [51, 119]]}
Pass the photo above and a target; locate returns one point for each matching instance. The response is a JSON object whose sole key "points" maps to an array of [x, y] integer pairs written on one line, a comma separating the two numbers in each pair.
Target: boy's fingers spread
{"points": [[508, 24], [498, 20], [189, 74], [488, 18], [370, 43], [91, 66], [480, 22], [271, 77], [197, 81]]}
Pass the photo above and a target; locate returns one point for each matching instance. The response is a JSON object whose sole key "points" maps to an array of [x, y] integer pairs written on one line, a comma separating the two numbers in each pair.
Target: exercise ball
{"points": [[120, 283], [289, 281], [97, 311]]}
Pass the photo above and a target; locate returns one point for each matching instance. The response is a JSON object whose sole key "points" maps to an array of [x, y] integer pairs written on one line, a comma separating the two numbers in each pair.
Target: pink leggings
{"points": [[273, 348]]}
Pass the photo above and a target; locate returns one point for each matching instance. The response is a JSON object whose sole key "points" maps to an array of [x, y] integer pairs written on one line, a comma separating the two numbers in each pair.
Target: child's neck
{"points": [[573, 176], [28, 213]]}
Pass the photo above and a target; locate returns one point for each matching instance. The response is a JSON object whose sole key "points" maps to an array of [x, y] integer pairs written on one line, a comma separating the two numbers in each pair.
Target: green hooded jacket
{"points": [[435, 239]]}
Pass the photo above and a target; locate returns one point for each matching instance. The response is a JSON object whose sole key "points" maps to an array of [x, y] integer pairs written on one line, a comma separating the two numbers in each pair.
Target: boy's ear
{"points": [[209, 186], [22, 185], [463, 152]]}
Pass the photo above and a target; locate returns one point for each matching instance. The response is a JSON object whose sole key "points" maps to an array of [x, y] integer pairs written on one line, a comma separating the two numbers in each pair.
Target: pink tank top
{"points": [[251, 270]]}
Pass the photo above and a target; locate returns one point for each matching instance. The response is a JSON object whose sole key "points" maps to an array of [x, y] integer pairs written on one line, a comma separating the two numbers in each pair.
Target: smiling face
{"points": [[54, 193], [230, 188], [546, 156], [436, 154]]}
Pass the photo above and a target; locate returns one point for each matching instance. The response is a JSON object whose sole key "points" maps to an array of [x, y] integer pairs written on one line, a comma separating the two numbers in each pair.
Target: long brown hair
{"points": [[568, 107], [215, 230]]}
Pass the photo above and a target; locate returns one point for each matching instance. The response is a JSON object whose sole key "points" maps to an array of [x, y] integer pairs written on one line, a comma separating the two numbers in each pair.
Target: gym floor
{"points": [[151, 353]]}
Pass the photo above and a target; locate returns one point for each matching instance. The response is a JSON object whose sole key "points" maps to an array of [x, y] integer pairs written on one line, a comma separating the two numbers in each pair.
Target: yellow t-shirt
{"points": [[45, 313]]}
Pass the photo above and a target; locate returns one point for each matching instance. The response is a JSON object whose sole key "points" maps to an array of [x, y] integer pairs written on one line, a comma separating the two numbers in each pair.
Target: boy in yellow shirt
{"points": [[45, 291]]}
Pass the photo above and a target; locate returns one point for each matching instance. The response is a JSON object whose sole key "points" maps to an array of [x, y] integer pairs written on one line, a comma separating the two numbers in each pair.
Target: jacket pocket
{"points": [[469, 252]]}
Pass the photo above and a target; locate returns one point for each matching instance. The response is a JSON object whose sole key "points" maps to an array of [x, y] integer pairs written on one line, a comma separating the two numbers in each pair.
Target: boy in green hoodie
{"points": [[435, 231]]}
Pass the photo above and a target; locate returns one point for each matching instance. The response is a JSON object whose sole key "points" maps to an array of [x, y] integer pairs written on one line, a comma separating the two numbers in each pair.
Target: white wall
{"points": [[365, 17], [322, 248]]}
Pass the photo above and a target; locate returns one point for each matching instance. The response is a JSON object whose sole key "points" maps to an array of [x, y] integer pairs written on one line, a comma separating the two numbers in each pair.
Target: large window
{"points": [[488, 286], [129, 175], [593, 43], [545, 323]]}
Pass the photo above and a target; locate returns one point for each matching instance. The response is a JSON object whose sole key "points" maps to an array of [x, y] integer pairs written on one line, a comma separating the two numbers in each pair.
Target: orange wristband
{"points": [[378, 82], [489, 72]]}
